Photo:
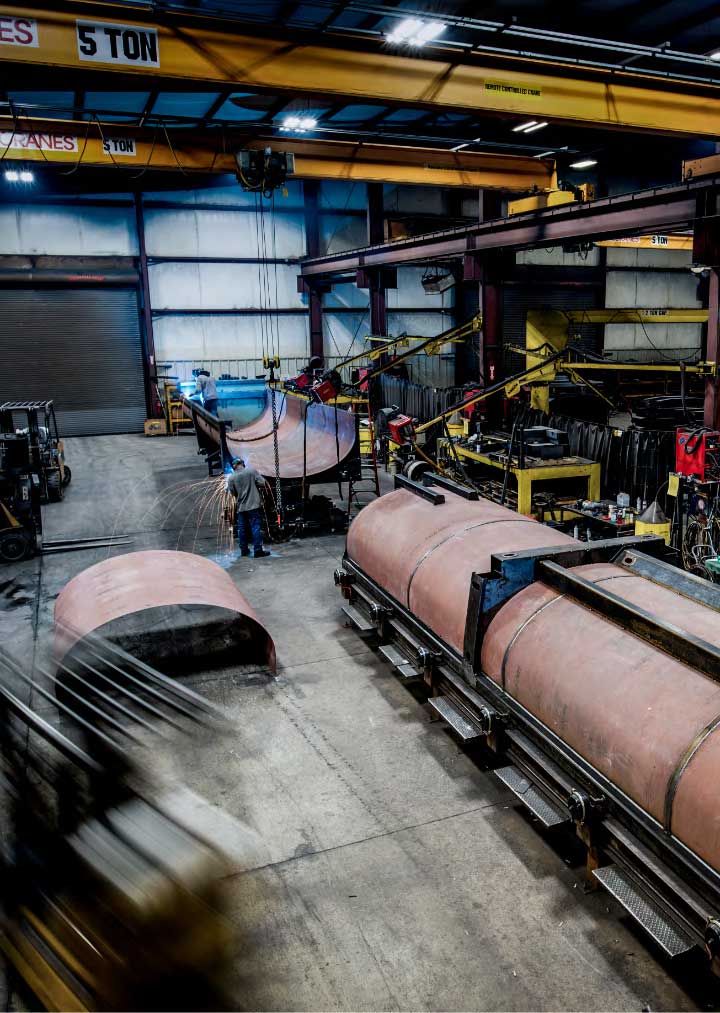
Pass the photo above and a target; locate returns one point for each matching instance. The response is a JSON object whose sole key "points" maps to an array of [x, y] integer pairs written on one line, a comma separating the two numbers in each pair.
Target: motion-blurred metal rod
{"points": [[155, 711], [97, 645], [55, 738]]}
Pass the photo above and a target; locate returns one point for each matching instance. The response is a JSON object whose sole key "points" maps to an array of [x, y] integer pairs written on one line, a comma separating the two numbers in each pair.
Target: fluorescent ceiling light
{"points": [[530, 127], [584, 164], [11, 176], [427, 33], [459, 147], [534, 127], [299, 123], [26, 177], [415, 32], [715, 55], [524, 126]]}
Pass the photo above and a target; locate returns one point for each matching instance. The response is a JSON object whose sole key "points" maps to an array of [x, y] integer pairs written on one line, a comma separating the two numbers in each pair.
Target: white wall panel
{"points": [[346, 295], [341, 195], [430, 370], [410, 293], [345, 333], [340, 232], [233, 193], [223, 286], [628, 256], [422, 324], [649, 290], [555, 256], [70, 231], [223, 234], [240, 337]]}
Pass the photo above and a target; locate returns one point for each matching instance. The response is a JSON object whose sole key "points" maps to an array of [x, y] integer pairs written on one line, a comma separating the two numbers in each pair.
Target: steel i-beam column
{"points": [[153, 406], [706, 253], [712, 405], [376, 234], [479, 268], [311, 203]]}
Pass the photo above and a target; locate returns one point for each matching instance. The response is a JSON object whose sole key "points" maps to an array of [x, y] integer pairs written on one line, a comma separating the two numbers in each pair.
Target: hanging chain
{"points": [[278, 489]]}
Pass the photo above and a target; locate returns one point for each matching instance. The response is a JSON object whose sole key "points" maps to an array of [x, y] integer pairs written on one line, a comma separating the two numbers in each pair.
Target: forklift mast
{"points": [[47, 454]]}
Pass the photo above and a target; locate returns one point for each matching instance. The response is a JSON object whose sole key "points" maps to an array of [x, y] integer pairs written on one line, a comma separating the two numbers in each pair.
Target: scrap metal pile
{"points": [[591, 671]]}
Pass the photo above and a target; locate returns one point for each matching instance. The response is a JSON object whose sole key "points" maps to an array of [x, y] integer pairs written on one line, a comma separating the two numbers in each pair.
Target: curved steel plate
{"points": [[313, 439], [155, 579]]}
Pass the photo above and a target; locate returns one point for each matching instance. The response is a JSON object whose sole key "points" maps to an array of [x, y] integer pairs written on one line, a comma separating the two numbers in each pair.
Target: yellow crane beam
{"points": [[657, 242], [185, 51], [94, 143]]}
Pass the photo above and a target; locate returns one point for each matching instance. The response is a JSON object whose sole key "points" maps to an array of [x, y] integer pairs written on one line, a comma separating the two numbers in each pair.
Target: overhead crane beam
{"points": [[660, 209], [92, 143], [104, 38]]}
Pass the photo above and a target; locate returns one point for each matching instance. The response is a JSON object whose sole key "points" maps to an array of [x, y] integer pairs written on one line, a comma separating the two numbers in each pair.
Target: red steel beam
{"points": [[628, 214]]}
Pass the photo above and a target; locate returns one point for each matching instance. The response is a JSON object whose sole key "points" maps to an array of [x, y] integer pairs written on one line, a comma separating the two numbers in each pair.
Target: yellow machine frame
{"points": [[569, 467], [548, 332]]}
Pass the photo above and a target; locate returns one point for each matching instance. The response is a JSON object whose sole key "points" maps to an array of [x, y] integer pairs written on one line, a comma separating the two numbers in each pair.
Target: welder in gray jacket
{"points": [[205, 386], [245, 484]]}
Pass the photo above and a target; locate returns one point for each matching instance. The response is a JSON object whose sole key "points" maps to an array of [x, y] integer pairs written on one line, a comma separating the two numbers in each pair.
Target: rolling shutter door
{"points": [[79, 347]]}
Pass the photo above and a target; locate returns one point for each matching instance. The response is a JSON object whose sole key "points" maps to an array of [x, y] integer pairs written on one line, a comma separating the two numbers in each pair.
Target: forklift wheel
{"points": [[55, 487], [67, 475], [14, 546]]}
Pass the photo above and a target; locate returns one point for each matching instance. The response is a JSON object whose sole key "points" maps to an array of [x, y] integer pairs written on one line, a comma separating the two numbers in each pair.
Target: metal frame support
{"points": [[311, 207], [152, 400], [712, 401], [706, 253], [376, 234], [475, 269]]}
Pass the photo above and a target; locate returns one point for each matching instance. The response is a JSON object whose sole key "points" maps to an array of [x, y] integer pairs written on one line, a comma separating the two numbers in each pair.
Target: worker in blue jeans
{"points": [[244, 483]]}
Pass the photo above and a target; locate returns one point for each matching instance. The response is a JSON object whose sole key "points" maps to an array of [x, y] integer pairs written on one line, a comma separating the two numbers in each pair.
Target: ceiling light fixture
{"points": [[715, 55], [530, 127], [26, 177], [585, 163], [415, 32], [11, 176], [300, 124], [459, 147]]}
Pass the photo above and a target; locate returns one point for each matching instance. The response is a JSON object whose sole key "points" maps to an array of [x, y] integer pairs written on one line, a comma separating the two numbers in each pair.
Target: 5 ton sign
{"points": [[130, 45]]}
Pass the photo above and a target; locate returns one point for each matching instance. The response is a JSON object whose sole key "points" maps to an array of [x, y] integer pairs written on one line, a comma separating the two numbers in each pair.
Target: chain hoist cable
{"points": [[278, 488]]}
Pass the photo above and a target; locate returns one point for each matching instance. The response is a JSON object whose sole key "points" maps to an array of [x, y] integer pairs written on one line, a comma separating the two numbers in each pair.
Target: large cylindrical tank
{"points": [[424, 555], [646, 720]]}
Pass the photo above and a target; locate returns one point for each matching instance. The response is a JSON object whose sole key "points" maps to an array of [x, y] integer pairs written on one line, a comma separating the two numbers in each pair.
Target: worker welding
{"points": [[360, 506]]}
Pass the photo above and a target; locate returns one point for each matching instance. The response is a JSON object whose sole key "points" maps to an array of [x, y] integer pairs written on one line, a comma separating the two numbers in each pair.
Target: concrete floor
{"points": [[384, 870]]}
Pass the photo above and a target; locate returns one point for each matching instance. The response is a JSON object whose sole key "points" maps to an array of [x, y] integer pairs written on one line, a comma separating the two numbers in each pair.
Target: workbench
{"points": [[536, 470]]}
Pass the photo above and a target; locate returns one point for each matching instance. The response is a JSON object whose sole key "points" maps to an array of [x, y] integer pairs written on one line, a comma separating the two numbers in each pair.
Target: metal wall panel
{"points": [[555, 256], [223, 234], [654, 289], [339, 232], [410, 293], [79, 347], [231, 194], [70, 231], [428, 370], [181, 286], [345, 333], [239, 337]]}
